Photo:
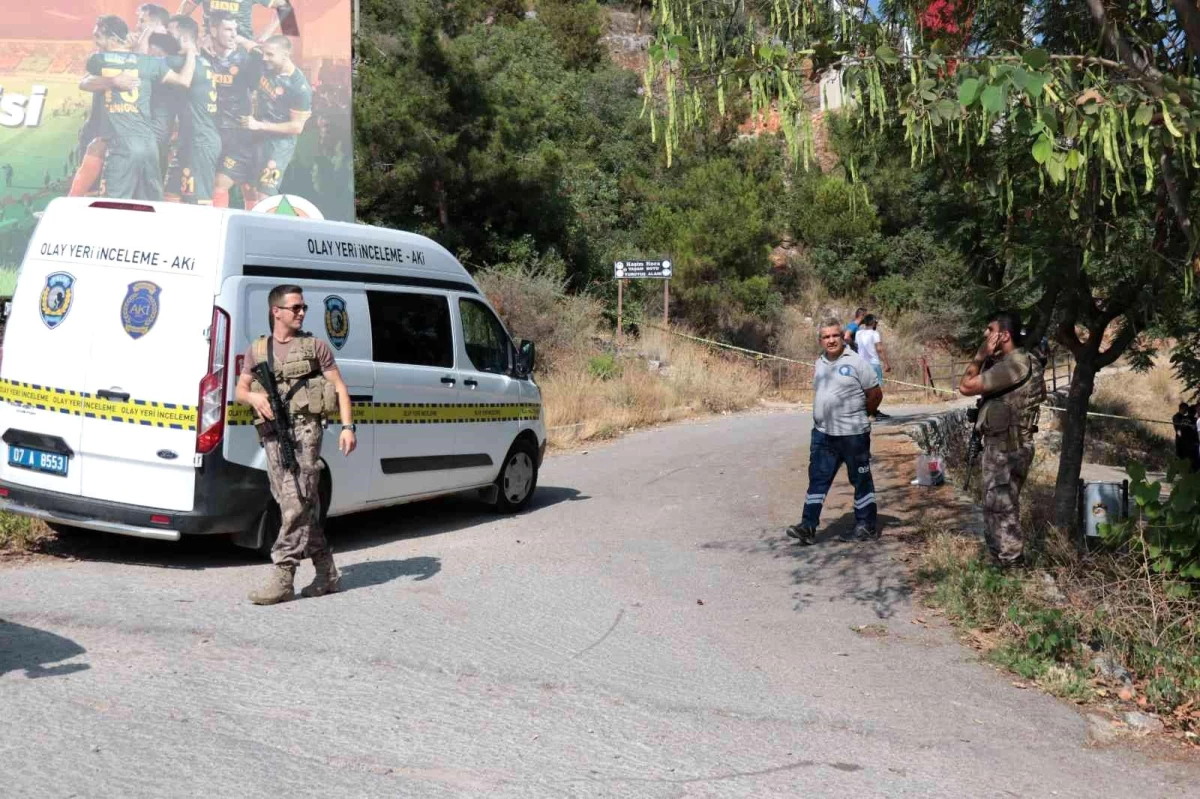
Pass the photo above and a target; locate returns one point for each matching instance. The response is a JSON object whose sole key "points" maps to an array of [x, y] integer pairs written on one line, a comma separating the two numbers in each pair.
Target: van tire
{"points": [[271, 516], [518, 477]]}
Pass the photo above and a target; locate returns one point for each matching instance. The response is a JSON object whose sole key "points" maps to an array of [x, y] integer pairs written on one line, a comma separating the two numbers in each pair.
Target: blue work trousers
{"points": [[826, 454]]}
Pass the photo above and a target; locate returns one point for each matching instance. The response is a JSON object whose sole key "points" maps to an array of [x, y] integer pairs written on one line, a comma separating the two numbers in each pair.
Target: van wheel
{"points": [[272, 518], [518, 477]]}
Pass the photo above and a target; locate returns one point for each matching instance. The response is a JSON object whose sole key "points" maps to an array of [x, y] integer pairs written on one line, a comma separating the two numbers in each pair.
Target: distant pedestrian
{"points": [[845, 390], [1187, 440], [852, 328], [8, 176], [870, 348]]}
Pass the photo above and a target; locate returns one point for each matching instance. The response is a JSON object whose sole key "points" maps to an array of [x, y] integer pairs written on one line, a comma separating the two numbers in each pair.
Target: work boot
{"points": [[807, 536], [278, 587], [864, 532], [327, 581]]}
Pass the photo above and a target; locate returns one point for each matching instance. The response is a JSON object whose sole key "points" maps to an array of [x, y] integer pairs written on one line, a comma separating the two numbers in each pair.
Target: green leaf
{"points": [[1074, 160], [968, 90], [1037, 58], [948, 109], [1042, 149], [1056, 168], [1144, 114], [928, 97], [1019, 78], [887, 55], [679, 41], [1034, 85], [992, 99]]}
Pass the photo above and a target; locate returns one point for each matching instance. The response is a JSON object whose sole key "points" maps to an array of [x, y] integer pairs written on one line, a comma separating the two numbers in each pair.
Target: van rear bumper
{"points": [[88, 523]]}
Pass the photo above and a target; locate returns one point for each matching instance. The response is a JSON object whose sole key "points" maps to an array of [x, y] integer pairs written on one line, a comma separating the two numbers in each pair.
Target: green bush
{"points": [[604, 366], [1165, 532]]}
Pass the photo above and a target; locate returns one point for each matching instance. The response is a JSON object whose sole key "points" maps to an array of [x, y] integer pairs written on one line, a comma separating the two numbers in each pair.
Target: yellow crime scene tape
{"points": [[418, 413], [183, 417], [81, 403]]}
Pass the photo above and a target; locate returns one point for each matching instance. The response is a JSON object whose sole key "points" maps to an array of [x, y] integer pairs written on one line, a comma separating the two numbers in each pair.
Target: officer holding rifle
{"points": [[292, 383], [1008, 380]]}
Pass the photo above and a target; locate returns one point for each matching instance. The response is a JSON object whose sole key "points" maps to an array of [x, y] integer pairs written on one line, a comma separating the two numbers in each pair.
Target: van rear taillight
{"points": [[211, 427]]}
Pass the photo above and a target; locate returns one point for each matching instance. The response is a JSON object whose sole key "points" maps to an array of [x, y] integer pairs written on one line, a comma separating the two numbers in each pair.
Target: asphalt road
{"points": [[645, 630]]}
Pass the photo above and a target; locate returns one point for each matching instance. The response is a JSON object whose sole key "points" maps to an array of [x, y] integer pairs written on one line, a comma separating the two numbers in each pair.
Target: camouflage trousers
{"points": [[1004, 475], [300, 533]]}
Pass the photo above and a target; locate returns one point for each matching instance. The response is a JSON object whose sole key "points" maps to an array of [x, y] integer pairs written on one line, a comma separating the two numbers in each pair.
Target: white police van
{"points": [[125, 339]]}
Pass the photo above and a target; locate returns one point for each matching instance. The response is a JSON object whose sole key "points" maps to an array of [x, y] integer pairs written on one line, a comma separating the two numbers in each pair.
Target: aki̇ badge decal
{"points": [[56, 298], [337, 321], [139, 311]]}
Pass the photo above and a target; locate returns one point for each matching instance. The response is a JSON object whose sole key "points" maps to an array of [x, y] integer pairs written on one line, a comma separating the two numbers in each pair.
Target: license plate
{"points": [[38, 460]]}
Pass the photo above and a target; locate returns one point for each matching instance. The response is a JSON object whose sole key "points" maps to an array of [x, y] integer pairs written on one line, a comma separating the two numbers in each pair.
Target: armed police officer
{"points": [[1008, 379], [308, 388]]}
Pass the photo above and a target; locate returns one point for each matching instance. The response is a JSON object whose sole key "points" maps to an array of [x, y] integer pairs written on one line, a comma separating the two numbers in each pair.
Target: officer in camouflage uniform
{"points": [[311, 384], [1010, 381]]}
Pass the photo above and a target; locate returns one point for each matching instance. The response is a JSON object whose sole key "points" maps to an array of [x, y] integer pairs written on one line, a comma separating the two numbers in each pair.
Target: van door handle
{"points": [[448, 381], [471, 383], [116, 396]]}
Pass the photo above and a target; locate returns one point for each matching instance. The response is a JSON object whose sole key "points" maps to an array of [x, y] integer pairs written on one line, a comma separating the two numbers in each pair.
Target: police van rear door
{"points": [[143, 278]]}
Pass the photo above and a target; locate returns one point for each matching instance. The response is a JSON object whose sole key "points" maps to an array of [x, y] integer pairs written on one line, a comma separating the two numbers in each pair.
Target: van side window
{"points": [[411, 328], [486, 342]]}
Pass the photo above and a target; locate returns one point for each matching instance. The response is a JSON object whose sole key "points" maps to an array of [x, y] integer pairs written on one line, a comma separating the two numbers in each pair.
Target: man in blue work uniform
{"points": [[845, 392]]}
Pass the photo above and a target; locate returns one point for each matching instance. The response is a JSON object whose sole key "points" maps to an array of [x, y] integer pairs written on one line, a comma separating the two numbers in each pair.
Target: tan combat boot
{"points": [[278, 587], [327, 581]]}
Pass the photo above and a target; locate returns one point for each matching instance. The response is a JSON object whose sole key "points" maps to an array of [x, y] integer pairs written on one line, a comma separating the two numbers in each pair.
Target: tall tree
{"points": [[1093, 101]]}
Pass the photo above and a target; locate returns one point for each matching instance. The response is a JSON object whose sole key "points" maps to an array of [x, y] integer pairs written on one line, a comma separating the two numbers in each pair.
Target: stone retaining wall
{"points": [[946, 435]]}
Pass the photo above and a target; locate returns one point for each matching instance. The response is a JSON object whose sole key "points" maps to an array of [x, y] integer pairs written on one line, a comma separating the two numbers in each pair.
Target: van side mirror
{"points": [[526, 357]]}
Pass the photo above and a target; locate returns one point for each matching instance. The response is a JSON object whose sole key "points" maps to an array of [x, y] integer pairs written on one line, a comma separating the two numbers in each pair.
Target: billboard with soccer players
{"points": [[212, 102]]}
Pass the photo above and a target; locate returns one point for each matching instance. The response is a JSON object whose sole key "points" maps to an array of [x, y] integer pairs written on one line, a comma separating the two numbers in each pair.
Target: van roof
{"points": [[286, 241]]}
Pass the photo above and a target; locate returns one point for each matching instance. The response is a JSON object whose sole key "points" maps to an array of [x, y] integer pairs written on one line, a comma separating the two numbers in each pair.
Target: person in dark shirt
{"points": [[235, 73], [128, 81], [282, 106], [241, 11], [198, 144], [1187, 440]]}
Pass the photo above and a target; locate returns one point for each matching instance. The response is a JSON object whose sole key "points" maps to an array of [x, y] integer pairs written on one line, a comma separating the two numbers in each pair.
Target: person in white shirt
{"points": [[870, 348]]}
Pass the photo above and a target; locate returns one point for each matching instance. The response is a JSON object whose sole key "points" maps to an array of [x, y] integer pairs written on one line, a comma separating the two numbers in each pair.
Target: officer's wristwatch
{"points": [[353, 428]]}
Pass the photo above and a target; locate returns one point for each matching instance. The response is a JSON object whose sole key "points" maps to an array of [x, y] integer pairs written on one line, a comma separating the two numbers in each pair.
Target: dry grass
{"points": [[1155, 394], [690, 380]]}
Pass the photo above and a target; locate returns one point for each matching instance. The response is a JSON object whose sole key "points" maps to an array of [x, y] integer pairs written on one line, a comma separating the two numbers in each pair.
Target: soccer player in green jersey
{"points": [[198, 144], [241, 10], [128, 81], [282, 105]]}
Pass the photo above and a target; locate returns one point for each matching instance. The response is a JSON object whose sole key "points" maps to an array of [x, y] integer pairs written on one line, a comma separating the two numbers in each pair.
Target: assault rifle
{"points": [[975, 445], [281, 425]]}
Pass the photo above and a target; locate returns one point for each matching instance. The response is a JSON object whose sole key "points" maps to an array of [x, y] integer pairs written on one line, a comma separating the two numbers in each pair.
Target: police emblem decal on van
{"points": [[337, 321], [56, 298], [139, 311]]}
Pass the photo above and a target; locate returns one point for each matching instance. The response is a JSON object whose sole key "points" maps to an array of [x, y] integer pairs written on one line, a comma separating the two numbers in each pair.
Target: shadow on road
{"points": [[378, 572], [33, 651], [346, 533], [873, 573]]}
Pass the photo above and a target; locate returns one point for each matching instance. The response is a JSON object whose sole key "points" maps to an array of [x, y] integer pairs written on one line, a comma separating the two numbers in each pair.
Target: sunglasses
{"points": [[296, 309]]}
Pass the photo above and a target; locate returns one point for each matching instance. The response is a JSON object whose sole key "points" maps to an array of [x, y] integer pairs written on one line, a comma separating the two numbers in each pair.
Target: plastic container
{"points": [[929, 470], [1102, 503]]}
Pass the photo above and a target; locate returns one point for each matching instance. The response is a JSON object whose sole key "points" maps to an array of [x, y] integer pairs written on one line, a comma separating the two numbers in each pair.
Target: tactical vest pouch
{"points": [[329, 399], [996, 418], [294, 370]]}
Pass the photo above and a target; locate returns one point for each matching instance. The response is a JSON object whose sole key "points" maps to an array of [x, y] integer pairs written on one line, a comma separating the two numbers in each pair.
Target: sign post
{"points": [[642, 269]]}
